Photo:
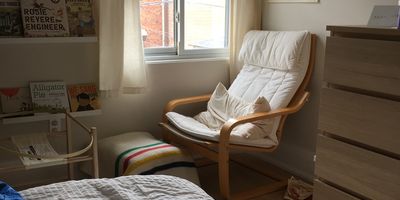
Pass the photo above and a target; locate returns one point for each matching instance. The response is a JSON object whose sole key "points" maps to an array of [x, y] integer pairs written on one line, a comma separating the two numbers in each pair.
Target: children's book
{"points": [[80, 17], [15, 100], [42, 18], [49, 97], [83, 97], [10, 18]]}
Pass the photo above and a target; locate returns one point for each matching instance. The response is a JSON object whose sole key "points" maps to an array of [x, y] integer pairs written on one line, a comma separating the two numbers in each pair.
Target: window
{"points": [[185, 28]]}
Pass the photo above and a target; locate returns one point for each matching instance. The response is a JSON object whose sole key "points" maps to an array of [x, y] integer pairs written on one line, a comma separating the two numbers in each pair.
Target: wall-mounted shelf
{"points": [[48, 40], [47, 117]]}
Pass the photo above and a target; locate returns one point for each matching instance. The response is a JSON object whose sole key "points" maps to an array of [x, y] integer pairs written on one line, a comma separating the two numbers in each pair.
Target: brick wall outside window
{"points": [[159, 28]]}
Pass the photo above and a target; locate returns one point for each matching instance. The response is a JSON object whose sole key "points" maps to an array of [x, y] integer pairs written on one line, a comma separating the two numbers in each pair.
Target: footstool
{"points": [[140, 153]]}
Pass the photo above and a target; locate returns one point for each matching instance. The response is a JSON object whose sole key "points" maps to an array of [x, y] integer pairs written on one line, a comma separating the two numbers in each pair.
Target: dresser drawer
{"points": [[369, 120], [364, 172], [366, 64], [323, 191]]}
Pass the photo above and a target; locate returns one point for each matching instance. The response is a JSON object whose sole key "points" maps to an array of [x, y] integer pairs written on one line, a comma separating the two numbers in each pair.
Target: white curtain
{"points": [[245, 15], [122, 66]]}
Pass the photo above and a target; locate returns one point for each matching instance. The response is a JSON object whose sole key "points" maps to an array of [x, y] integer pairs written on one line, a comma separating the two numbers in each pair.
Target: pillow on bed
{"points": [[222, 106]]}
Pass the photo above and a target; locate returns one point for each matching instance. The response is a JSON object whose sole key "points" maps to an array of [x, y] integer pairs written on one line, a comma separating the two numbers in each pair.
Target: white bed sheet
{"points": [[149, 187]]}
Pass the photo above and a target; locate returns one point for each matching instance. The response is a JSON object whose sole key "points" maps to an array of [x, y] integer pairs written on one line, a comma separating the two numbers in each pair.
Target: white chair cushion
{"points": [[199, 130], [277, 86], [273, 49], [274, 73]]}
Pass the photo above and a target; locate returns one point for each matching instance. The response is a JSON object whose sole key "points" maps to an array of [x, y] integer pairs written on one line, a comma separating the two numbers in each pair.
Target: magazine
{"points": [[14, 100], [80, 18], [49, 97], [35, 144], [42, 18], [83, 97], [10, 18]]}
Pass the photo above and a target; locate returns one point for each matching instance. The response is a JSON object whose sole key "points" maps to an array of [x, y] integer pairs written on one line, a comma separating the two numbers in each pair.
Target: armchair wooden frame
{"points": [[218, 151]]}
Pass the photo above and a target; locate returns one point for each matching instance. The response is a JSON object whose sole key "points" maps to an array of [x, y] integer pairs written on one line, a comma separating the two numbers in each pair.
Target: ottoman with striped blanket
{"points": [[140, 153]]}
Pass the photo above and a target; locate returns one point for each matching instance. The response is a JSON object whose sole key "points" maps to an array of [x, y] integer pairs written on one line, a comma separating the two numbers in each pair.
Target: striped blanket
{"points": [[136, 153], [156, 158]]}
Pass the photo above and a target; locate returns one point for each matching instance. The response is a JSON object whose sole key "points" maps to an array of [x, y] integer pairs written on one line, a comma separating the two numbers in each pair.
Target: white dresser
{"points": [[358, 147]]}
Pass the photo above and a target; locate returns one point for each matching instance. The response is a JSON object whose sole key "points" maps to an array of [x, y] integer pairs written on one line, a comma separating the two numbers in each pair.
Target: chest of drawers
{"points": [[358, 147]]}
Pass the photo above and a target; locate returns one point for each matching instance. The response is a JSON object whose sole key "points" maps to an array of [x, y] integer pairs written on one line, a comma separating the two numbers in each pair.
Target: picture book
{"points": [[80, 17], [49, 97], [10, 18], [83, 97], [14, 100], [42, 18]]}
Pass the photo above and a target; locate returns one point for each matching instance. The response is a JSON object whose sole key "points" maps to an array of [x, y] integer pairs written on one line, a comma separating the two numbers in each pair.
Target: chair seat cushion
{"points": [[196, 129]]}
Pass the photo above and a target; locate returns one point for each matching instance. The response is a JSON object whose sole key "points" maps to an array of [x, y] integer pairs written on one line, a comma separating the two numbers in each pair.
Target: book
{"points": [[83, 97], [49, 97], [15, 100], [35, 144], [384, 16], [42, 18], [80, 17], [10, 18]]}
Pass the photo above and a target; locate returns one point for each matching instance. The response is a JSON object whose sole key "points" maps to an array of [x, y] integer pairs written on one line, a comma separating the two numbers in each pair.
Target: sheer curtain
{"points": [[245, 15], [122, 67]]}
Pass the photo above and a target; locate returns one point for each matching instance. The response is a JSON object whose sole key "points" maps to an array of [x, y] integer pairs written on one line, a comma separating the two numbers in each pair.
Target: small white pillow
{"points": [[222, 106]]}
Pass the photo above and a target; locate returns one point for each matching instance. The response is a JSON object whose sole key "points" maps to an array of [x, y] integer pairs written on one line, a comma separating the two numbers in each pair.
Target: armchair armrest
{"points": [[171, 105], [232, 123]]}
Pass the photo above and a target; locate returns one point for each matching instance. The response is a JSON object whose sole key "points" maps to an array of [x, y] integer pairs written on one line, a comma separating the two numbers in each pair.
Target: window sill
{"points": [[179, 59]]}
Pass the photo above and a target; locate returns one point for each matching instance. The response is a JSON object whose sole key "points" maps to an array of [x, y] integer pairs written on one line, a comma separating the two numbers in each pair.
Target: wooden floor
{"points": [[241, 177]]}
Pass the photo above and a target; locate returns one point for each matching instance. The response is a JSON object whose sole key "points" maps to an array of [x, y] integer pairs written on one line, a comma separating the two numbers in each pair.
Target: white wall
{"points": [[298, 145], [78, 63]]}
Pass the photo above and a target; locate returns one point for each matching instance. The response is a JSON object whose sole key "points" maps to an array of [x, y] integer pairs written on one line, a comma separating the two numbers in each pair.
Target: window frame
{"points": [[179, 51]]}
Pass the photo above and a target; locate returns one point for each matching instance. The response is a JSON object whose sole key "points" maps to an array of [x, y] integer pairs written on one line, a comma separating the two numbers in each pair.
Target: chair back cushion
{"points": [[273, 49], [275, 66]]}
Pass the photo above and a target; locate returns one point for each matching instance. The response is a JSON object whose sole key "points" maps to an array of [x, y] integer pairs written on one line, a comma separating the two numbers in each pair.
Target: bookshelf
{"points": [[48, 117], [48, 40]]}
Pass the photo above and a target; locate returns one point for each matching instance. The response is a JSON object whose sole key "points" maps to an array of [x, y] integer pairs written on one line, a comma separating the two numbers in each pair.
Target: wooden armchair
{"points": [[218, 151]]}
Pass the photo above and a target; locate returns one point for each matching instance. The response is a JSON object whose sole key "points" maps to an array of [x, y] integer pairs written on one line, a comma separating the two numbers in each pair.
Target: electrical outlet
{"points": [[55, 125], [315, 158]]}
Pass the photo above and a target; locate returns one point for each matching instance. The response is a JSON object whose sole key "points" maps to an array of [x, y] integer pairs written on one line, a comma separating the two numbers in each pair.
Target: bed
{"points": [[146, 187]]}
